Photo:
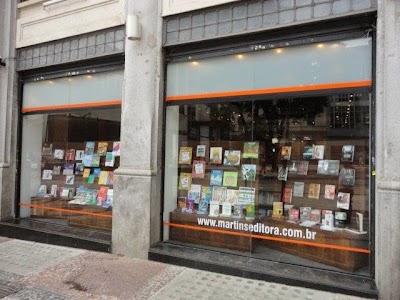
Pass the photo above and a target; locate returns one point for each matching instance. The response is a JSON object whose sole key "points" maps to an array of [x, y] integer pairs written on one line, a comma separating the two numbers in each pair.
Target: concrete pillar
{"points": [[387, 211], [136, 210], [8, 108]]}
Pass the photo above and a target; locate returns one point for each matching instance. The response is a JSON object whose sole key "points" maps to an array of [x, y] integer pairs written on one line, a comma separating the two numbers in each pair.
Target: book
{"points": [[89, 148], [116, 151], [226, 209], [203, 207], [214, 209], [232, 157], [110, 178], [318, 152], [347, 177], [70, 154], [56, 170], [59, 154], [330, 191], [314, 190], [69, 169], [206, 193], [250, 149], [185, 181], [185, 155], [110, 160], [216, 177], [286, 151], [110, 196], [298, 189], [65, 192], [54, 189], [47, 149], [189, 206], [293, 167], [277, 209], [96, 172], [87, 160], [91, 179], [246, 195], [333, 167], [79, 167], [42, 192], [69, 179], [294, 215], [79, 154], [230, 178], [218, 194], [86, 173], [237, 211], [249, 172], [348, 153], [315, 215], [287, 195], [182, 203], [216, 155], [103, 177], [250, 211], [195, 192], [308, 152], [305, 214], [322, 168], [232, 196], [95, 160], [343, 200], [302, 167], [201, 151], [282, 173], [198, 169], [327, 220], [102, 148], [102, 195]]}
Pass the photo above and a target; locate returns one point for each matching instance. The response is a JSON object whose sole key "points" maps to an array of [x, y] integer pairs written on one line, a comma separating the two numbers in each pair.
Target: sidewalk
{"points": [[31, 270]]}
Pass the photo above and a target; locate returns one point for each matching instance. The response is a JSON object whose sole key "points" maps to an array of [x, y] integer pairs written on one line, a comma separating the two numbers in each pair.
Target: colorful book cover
{"points": [[103, 177], [287, 195], [322, 168], [185, 181], [47, 149], [86, 173], [219, 194], [95, 160], [42, 191], [56, 170], [246, 195], [314, 190], [347, 177], [250, 211], [102, 148], [348, 153], [185, 155], [282, 173], [315, 215], [195, 192], [232, 196], [69, 179], [308, 152], [110, 196], [87, 160], [298, 189], [206, 193], [230, 179], [214, 209], [327, 219], [110, 178], [333, 167], [198, 169], [96, 172], [343, 200], [293, 166], [102, 195], [226, 209], [182, 203], [201, 151], [79, 154], [216, 177], [116, 148], [302, 168], [330, 191], [59, 154], [216, 155], [237, 211], [232, 157], [79, 167], [318, 151], [305, 214], [47, 175], [91, 179], [89, 148], [190, 206], [294, 215], [70, 154], [250, 149], [277, 209], [286, 152], [249, 172], [109, 159], [69, 169], [203, 207]]}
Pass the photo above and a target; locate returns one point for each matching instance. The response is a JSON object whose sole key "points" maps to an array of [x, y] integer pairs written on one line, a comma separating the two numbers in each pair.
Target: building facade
{"points": [[255, 136]]}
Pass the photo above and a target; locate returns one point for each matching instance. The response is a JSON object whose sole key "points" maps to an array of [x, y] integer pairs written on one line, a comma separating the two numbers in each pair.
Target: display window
{"points": [[278, 177]]}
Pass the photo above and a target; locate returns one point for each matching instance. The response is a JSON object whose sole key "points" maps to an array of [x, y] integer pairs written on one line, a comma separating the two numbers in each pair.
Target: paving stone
{"points": [[34, 294], [8, 288]]}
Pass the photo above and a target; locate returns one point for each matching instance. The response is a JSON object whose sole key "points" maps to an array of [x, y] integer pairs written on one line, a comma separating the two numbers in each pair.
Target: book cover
{"points": [[218, 194], [91, 179], [89, 148], [226, 209], [195, 193], [318, 151], [56, 170], [110, 160], [322, 168], [110, 197], [206, 193], [282, 173], [110, 178], [250, 211], [287, 195], [250, 149], [54, 189], [214, 209], [69, 169], [305, 214], [294, 215], [249, 172], [232, 157], [298, 189], [330, 191], [308, 152], [59, 154], [216, 177], [69, 179], [47, 149], [333, 167], [47, 175], [286, 151], [201, 151], [87, 160], [237, 211], [230, 179], [232, 196], [277, 209], [185, 181], [216, 155], [293, 166], [96, 172], [203, 207], [116, 151], [302, 168], [198, 169], [347, 177], [79, 167], [246, 195], [95, 160], [103, 177], [102, 195], [348, 153], [102, 148], [327, 219], [314, 190], [185, 155], [65, 192], [79, 154], [343, 200], [70, 154], [315, 215], [182, 203], [190, 206], [86, 173]]}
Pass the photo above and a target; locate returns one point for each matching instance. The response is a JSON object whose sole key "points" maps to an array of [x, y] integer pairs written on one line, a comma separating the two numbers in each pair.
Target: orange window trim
{"points": [[291, 89], [87, 213], [72, 106]]}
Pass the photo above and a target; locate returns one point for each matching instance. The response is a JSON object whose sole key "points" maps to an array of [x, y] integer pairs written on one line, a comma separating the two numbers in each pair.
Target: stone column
{"points": [[8, 108], [387, 211], [136, 210]]}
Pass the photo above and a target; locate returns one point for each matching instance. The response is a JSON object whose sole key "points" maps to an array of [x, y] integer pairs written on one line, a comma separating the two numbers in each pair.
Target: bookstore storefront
{"points": [[267, 153], [70, 148]]}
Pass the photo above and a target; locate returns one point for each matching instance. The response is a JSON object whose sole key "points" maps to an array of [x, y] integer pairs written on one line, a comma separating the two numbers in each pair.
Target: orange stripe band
{"points": [[254, 236], [316, 87], [66, 210], [72, 106]]}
